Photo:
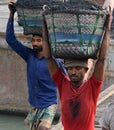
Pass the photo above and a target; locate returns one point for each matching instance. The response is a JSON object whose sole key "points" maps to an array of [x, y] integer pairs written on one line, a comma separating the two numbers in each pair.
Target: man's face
{"points": [[36, 41], [76, 74], [37, 44]]}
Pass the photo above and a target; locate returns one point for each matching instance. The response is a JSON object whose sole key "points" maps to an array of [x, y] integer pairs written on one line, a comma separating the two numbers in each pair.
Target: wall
{"points": [[13, 85]]}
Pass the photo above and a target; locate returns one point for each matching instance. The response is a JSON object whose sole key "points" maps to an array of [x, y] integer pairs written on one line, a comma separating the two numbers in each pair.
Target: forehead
{"points": [[36, 37], [75, 66]]}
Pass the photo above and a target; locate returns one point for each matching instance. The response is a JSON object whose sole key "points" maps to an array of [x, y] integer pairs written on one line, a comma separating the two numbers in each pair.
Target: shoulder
{"points": [[93, 82]]}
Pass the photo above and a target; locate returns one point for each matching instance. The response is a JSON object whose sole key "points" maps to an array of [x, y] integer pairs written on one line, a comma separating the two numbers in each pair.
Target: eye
{"points": [[78, 67], [69, 68], [39, 40]]}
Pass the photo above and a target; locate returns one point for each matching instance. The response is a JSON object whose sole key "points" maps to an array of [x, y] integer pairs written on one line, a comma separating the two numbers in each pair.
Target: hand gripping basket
{"points": [[75, 32], [30, 15]]}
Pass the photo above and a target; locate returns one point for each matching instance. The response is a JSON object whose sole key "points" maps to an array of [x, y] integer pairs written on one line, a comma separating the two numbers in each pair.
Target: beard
{"points": [[37, 49], [76, 80]]}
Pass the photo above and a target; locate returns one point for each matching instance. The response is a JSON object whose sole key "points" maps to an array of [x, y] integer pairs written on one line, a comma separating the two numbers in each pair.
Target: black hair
{"points": [[37, 34]]}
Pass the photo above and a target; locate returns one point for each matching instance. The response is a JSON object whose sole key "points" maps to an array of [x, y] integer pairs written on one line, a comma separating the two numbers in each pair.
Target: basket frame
{"points": [[98, 14]]}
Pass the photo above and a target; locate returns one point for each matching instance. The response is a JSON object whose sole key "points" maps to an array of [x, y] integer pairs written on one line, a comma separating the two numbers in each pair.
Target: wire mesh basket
{"points": [[30, 14], [76, 32], [31, 20]]}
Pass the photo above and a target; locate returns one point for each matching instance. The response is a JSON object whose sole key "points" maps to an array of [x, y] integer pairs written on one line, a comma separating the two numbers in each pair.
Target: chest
{"points": [[77, 103], [37, 67]]}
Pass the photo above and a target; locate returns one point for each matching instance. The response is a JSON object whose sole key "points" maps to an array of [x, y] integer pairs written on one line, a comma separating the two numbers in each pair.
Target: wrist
{"points": [[11, 16], [107, 32], [107, 28]]}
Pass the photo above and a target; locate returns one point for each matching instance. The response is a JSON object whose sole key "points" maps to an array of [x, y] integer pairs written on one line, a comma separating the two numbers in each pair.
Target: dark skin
{"points": [[76, 75], [99, 66], [36, 41]]}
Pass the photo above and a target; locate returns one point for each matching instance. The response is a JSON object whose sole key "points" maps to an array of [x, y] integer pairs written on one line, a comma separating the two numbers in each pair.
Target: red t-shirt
{"points": [[78, 105]]}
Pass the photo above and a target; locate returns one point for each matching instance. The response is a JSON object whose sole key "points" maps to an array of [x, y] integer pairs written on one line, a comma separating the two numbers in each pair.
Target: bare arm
{"points": [[100, 64], [52, 65]]}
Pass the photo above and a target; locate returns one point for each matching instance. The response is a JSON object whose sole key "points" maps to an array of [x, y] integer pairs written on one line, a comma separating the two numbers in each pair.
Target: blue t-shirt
{"points": [[41, 89]]}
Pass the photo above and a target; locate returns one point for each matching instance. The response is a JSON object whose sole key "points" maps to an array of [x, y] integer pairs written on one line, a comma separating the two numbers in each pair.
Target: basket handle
{"points": [[46, 7], [95, 27]]}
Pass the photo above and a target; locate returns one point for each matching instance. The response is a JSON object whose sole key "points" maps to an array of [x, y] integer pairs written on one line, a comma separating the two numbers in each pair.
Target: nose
{"points": [[73, 70], [34, 41]]}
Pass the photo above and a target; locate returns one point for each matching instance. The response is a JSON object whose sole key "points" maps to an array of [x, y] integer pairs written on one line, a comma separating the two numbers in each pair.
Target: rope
{"points": [[79, 31], [92, 35]]}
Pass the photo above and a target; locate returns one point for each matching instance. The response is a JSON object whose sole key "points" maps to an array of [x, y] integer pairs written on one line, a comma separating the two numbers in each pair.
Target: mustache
{"points": [[37, 48], [73, 75]]}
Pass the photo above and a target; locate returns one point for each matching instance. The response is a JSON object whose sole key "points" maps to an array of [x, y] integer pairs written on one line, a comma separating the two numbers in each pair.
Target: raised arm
{"points": [[100, 64], [12, 9], [11, 39], [52, 65]]}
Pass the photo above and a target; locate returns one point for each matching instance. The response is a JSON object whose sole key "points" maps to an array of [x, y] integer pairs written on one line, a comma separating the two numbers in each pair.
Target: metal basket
{"points": [[30, 14], [75, 33], [31, 20]]}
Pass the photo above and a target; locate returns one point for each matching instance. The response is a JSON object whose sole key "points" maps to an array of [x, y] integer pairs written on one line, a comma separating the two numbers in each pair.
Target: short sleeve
{"points": [[96, 86], [60, 78]]}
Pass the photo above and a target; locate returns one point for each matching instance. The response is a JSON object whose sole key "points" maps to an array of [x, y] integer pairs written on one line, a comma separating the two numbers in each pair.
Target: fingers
{"points": [[11, 2], [108, 4], [11, 6], [108, 8]]}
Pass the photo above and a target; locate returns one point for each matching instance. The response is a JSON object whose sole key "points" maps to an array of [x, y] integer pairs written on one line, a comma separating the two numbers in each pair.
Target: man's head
{"points": [[37, 43], [76, 70]]}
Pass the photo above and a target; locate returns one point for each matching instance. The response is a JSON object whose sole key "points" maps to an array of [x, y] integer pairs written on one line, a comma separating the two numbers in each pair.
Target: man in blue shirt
{"points": [[41, 89]]}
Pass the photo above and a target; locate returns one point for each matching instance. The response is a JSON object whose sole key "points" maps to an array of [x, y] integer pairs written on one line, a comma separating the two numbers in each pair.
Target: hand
{"points": [[108, 4], [11, 6]]}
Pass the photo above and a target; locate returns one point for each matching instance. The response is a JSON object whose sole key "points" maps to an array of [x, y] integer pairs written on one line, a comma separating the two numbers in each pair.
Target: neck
{"points": [[39, 54], [77, 84]]}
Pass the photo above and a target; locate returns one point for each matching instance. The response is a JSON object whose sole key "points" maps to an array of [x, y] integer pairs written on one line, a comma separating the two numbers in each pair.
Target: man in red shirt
{"points": [[78, 97]]}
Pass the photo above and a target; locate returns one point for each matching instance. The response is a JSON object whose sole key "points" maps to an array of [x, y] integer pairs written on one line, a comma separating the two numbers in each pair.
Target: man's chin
{"points": [[74, 79]]}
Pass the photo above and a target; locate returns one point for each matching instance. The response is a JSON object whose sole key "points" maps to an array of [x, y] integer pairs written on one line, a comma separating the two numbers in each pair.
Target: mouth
{"points": [[37, 48], [74, 76]]}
